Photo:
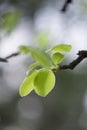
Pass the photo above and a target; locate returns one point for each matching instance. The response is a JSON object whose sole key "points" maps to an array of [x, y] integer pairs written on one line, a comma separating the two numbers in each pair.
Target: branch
{"points": [[8, 57], [67, 2], [81, 55], [12, 55]]}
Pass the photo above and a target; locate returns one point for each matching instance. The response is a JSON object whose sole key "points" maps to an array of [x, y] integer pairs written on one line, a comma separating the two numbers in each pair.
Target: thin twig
{"points": [[81, 55], [12, 55], [5, 60], [67, 2]]}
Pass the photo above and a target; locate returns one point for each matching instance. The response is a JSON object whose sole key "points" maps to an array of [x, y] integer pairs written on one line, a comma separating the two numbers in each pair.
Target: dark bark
{"points": [[65, 6], [8, 57], [81, 55]]}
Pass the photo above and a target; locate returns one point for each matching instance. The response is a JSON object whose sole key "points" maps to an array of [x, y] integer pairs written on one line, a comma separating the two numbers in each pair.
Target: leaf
{"points": [[33, 66], [28, 84], [61, 48], [57, 58], [44, 82], [43, 40], [10, 20], [24, 49], [42, 58]]}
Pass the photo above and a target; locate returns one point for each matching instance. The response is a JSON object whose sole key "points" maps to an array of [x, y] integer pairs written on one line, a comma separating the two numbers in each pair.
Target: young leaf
{"points": [[28, 84], [10, 19], [61, 48], [43, 40], [57, 58], [44, 82], [24, 49], [39, 56], [33, 66], [42, 58]]}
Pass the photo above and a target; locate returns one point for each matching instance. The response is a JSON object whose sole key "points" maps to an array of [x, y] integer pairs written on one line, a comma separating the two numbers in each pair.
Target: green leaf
{"points": [[10, 20], [28, 84], [44, 82], [42, 58], [61, 48], [57, 58], [33, 66], [24, 49], [43, 40]]}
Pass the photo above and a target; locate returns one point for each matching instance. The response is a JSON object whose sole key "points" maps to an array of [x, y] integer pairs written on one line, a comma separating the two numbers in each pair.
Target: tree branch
{"points": [[8, 57], [12, 55], [67, 2], [81, 55]]}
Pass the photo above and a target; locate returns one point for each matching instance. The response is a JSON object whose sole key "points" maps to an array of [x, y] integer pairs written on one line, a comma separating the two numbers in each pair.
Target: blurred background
{"points": [[65, 108]]}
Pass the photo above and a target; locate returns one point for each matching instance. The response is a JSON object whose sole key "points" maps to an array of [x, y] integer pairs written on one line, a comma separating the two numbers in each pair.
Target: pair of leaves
{"points": [[42, 81], [58, 57]]}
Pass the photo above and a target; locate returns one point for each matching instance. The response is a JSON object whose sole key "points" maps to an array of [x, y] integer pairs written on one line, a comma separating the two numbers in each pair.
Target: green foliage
{"points": [[24, 49], [41, 57], [28, 84], [42, 80], [10, 20], [61, 48], [57, 58], [33, 66], [43, 40]]}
